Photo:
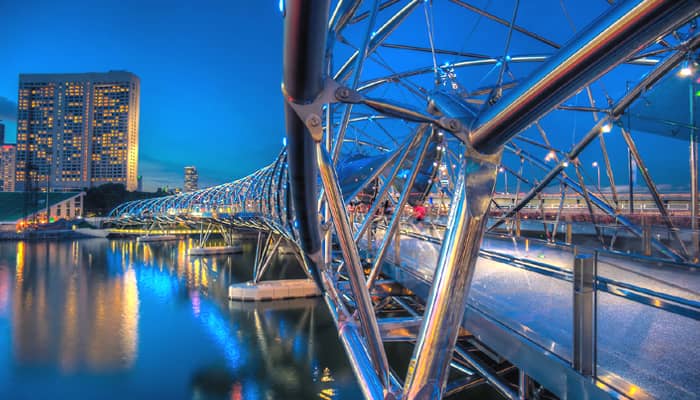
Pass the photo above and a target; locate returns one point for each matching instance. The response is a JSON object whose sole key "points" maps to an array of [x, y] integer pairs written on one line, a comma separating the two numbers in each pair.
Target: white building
{"points": [[19, 208]]}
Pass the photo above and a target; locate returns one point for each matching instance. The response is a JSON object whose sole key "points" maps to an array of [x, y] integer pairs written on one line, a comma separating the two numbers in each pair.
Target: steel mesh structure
{"points": [[387, 107]]}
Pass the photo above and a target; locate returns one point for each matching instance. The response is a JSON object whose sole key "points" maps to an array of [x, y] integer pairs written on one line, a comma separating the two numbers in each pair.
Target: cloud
{"points": [[8, 109]]}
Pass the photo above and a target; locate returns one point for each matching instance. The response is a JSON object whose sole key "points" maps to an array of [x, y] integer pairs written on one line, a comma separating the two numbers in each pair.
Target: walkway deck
{"points": [[643, 350]]}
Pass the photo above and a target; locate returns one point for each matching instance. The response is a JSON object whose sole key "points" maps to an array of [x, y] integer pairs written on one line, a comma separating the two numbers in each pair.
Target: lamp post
{"points": [[688, 71], [597, 167], [505, 179]]}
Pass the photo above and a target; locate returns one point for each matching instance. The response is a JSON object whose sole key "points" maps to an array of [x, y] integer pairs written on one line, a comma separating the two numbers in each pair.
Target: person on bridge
{"points": [[419, 212], [388, 207]]}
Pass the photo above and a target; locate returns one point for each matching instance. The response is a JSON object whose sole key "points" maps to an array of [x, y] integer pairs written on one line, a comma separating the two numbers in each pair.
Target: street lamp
{"points": [[686, 69], [596, 166], [505, 178]]}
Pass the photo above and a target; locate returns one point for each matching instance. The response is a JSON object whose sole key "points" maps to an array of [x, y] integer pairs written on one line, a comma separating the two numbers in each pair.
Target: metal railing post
{"points": [[646, 239], [585, 273]]}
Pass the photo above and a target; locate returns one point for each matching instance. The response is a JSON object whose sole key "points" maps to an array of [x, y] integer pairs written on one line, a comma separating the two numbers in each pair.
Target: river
{"points": [[113, 319]]}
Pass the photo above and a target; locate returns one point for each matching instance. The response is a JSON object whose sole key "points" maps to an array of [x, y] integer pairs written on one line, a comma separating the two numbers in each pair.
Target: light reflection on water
{"points": [[115, 319]]}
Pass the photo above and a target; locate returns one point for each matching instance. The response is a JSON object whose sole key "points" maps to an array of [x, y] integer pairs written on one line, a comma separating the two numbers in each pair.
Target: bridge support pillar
{"points": [[305, 27]]}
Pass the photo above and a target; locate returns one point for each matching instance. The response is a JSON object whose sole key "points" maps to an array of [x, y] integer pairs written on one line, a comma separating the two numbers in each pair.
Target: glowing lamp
{"points": [[549, 156], [686, 69], [606, 128]]}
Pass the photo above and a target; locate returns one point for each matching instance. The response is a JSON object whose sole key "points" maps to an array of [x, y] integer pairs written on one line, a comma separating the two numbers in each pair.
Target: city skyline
{"points": [[198, 74], [212, 74]]}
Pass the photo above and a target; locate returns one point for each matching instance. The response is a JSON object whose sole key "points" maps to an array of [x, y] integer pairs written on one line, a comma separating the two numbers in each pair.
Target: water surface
{"points": [[113, 319]]}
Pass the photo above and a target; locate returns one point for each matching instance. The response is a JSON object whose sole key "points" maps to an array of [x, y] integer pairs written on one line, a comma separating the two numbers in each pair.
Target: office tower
{"points": [[8, 155], [139, 183], [77, 130], [2, 133], [191, 179]]}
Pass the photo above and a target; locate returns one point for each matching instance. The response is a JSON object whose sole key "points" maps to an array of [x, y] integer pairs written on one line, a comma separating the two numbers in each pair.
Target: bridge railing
{"points": [[624, 305]]}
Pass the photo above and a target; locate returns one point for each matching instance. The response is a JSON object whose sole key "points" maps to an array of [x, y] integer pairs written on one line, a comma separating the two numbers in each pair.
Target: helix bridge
{"points": [[555, 286]]}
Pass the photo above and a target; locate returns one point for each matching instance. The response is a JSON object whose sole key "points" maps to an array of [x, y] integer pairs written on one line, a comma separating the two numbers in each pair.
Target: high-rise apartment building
{"points": [[8, 156], [191, 179], [77, 130]]}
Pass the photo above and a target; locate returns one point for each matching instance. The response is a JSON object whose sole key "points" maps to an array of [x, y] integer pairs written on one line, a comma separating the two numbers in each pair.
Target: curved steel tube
{"points": [[622, 31], [305, 26]]}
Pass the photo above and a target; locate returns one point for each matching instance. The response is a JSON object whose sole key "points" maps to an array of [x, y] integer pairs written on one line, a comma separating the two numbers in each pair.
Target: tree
{"points": [[100, 200]]}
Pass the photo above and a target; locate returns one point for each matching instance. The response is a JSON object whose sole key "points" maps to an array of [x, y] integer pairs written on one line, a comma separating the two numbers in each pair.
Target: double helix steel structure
{"points": [[392, 104]]}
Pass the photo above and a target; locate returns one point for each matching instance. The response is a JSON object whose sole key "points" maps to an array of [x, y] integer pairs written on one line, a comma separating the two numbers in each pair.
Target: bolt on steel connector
{"points": [[313, 120]]}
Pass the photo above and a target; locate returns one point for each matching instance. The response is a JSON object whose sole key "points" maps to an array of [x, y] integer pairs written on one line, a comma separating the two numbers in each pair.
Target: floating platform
{"points": [[273, 290], [155, 238], [215, 250], [91, 232]]}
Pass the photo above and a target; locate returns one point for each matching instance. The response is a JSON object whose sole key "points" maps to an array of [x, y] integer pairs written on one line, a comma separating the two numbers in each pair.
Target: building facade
{"points": [[191, 179], [8, 155], [77, 130]]}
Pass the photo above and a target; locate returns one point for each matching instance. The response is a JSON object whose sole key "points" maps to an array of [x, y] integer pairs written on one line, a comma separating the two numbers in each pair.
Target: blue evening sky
{"points": [[210, 74]]}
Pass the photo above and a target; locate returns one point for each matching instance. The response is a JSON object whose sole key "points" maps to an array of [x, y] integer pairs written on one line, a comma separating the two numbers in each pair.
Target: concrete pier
{"points": [[155, 238], [273, 290], [215, 250]]}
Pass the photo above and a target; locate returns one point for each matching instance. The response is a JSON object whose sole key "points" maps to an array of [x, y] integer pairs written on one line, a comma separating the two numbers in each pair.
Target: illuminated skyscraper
{"points": [[8, 155], [191, 179], [77, 130]]}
